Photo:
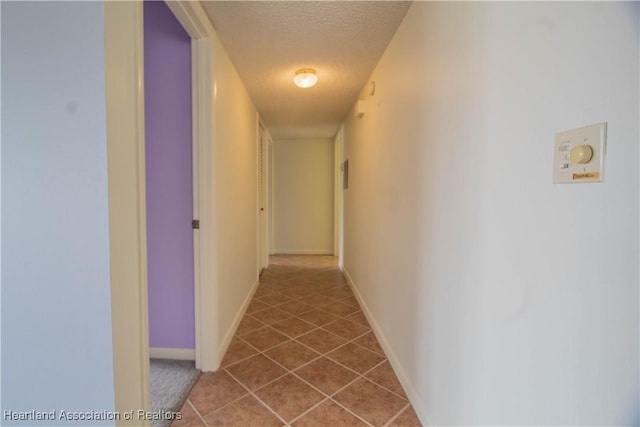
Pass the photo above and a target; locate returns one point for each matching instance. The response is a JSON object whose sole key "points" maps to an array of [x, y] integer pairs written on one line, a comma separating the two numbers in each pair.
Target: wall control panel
{"points": [[578, 154]]}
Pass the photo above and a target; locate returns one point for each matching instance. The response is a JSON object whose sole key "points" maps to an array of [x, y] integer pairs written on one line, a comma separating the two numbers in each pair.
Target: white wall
{"points": [[503, 299], [56, 316], [303, 196], [234, 192]]}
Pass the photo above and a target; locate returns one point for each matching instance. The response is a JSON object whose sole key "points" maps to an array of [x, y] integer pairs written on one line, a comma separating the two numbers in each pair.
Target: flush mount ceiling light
{"points": [[305, 77]]}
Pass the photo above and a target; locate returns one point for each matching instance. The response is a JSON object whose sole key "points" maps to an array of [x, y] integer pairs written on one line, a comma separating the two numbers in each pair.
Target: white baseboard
{"points": [[393, 359], [236, 321], [172, 353], [303, 252]]}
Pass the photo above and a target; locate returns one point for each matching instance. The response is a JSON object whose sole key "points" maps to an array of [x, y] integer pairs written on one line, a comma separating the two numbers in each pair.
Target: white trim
{"points": [[205, 291], [172, 353], [270, 226], [391, 356], [197, 130], [124, 74], [267, 198], [273, 194], [340, 225], [259, 234], [263, 138], [236, 321], [303, 252], [192, 17], [196, 137], [337, 192]]}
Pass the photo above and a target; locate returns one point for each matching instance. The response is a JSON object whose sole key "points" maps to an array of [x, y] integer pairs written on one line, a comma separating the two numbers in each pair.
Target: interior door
{"points": [[263, 202]]}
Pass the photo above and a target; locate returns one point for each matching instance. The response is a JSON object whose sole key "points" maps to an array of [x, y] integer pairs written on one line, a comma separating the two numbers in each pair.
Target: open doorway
{"points": [[124, 47], [169, 184], [169, 181]]}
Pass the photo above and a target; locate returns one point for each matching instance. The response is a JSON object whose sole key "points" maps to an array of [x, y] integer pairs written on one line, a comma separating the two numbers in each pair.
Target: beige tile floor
{"points": [[303, 355]]}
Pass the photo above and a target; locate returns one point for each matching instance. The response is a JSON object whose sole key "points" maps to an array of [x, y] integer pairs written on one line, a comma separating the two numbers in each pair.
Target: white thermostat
{"points": [[578, 154]]}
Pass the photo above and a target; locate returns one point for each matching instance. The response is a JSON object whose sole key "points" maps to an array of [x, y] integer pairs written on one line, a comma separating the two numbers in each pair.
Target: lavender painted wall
{"points": [[167, 63]]}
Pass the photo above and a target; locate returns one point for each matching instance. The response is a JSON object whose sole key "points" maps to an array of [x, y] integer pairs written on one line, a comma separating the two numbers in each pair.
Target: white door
{"points": [[263, 202]]}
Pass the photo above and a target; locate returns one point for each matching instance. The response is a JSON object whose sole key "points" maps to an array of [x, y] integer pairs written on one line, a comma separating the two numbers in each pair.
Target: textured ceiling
{"points": [[268, 40]]}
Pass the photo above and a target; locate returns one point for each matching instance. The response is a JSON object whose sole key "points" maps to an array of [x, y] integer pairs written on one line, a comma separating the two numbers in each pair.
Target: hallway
{"points": [[303, 355]]}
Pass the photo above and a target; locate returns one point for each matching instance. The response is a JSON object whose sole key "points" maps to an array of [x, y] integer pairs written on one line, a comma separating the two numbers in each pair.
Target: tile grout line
{"points": [[300, 342], [362, 377], [263, 352], [329, 399], [330, 396], [351, 340], [262, 385], [199, 415], [223, 406], [326, 396], [405, 397], [257, 398], [290, 371], [321, 355], [302, 415], [313, 293], [350, 411], [397, 415], [385, 389]]}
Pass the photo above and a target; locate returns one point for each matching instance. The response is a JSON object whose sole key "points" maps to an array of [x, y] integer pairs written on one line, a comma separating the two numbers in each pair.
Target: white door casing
{"points": [[196, 23], [124, 71], [262, 144]]}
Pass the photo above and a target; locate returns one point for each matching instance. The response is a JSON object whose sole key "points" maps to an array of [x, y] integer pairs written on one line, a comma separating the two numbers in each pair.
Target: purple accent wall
{"points": [[167, 65]]}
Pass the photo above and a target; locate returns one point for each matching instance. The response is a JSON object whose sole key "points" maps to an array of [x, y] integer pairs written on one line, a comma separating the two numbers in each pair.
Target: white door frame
{"points": [[196, 22], [127, 214], [262, 142], [270, 196], [339, 198], [124, 75]]}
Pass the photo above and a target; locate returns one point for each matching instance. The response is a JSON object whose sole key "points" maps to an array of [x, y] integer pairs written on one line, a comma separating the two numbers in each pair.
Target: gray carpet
{"points": [[171, 381]]}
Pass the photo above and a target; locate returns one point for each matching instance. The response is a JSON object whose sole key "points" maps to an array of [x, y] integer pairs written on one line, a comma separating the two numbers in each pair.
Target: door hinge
{"points": [[195, 224]]}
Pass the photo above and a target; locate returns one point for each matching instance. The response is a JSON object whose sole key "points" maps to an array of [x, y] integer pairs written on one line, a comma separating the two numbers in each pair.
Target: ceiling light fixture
{"points": [[305, 77]]}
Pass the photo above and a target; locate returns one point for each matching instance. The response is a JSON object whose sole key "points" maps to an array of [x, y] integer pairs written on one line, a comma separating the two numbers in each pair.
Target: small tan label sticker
{"points": [[587, 175]]}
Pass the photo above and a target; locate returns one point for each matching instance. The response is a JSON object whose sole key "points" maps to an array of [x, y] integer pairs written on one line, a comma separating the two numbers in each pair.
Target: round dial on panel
{"points": [[581, 154]]}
